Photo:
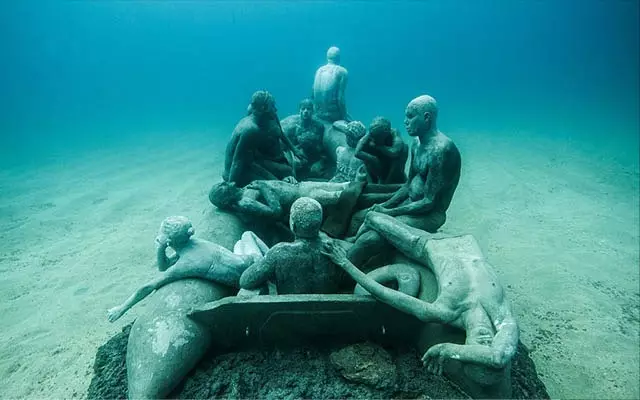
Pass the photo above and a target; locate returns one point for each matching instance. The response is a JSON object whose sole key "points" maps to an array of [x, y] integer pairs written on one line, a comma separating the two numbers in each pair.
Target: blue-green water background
{"points": [[79, 75]]}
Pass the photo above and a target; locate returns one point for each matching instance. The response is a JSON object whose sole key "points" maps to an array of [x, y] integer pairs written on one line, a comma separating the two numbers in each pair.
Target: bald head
{"points": [[423, 104], [305, 218], [333, 55], [420, 115]]}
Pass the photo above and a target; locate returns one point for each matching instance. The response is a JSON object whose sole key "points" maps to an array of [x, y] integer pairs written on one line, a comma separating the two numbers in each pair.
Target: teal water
{"points": [[111, 114], [80, 75]]}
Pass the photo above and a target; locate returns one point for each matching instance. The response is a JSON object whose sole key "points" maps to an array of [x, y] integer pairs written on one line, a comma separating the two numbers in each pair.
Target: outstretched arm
{"points": [[420, 309]]}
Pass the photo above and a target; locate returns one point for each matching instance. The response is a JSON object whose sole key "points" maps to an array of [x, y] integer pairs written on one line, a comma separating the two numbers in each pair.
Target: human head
{"points": [[224, 195], [175, 230], [355, 131], [421, 115], [380, 129], [333, 55], [263, 105], [305, 218], [306, 109]]}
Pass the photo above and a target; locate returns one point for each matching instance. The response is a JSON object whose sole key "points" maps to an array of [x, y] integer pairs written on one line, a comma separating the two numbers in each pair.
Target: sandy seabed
{"points": [[558, 219]]}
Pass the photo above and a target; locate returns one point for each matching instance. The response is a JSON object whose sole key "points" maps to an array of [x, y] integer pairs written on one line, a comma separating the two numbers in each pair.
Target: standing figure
{"points": [[329, 86], [258, 148], [384, 152], [306, 134], [434, 174]]}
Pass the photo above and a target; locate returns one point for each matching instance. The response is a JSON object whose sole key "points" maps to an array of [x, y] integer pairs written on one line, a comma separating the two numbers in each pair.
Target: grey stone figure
{"points": [[329, 87], [298, 267], [434, 174], [193, 258], [258, 148], [306, 134], [470, 296], [271, 200], [384, 153], [349, 168]]}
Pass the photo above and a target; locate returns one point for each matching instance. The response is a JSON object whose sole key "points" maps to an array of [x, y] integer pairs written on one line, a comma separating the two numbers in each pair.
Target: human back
{"points": [[312, 272]]}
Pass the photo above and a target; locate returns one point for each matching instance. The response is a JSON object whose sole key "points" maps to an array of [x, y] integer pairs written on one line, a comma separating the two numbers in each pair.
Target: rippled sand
{"points": [[559, 220]]}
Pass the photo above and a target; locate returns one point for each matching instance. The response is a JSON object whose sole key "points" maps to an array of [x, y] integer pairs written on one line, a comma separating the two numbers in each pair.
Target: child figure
{"points": [[348, 167]]}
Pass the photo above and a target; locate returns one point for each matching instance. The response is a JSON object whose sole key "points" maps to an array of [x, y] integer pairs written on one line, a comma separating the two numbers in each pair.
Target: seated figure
{"points": [[329, 87], [383, 152], [258, 148], [298, 267], [194, 258], [349, 168], [306, 134], [469, 297], [434, 174]]}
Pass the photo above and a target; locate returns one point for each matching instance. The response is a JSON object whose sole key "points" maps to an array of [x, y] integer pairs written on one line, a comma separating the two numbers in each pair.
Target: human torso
{"points": [[438, 152], [307, 136], [307, 271], [326, 92], [348, 167]]}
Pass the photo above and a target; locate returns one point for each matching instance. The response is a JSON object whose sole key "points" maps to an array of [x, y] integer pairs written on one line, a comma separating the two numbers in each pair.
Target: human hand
{"points": [[162, 242], [435, 357], [334, 251], [114, 314], [290, 179]]}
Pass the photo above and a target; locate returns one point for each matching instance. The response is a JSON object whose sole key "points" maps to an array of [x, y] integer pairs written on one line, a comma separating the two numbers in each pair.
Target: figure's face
{"points": [[416, 122], [306, 112]]}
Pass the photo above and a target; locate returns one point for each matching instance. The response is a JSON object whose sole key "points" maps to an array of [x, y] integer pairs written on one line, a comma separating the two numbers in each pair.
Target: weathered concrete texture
{"points": [[165, 344], [305, 372], [366, 363]]}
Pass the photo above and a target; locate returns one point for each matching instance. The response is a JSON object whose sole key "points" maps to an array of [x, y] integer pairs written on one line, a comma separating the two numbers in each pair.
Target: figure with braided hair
{"points": [[258, 148]]}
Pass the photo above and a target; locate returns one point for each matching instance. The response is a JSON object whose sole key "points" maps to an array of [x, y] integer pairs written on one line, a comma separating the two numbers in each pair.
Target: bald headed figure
{"points": [[298, 267], [434, 174], [329, 86]]}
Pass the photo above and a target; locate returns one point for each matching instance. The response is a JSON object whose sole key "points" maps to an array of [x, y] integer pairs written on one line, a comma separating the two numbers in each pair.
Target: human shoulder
{"points": [[282, 251], [448, 147], [247, 126]]}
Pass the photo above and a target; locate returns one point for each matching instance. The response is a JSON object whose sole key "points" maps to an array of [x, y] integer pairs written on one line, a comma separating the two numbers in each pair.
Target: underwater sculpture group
{"points": [[335, 222]]}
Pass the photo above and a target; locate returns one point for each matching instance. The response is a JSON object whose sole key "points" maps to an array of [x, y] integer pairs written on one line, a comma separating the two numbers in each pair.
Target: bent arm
{"points": [[398, 197], [498, 355], [419, 207], [242, 156], [372, 163], [422, 310], [163, 261], [259, 273], [397, 148], [342, 101]]}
